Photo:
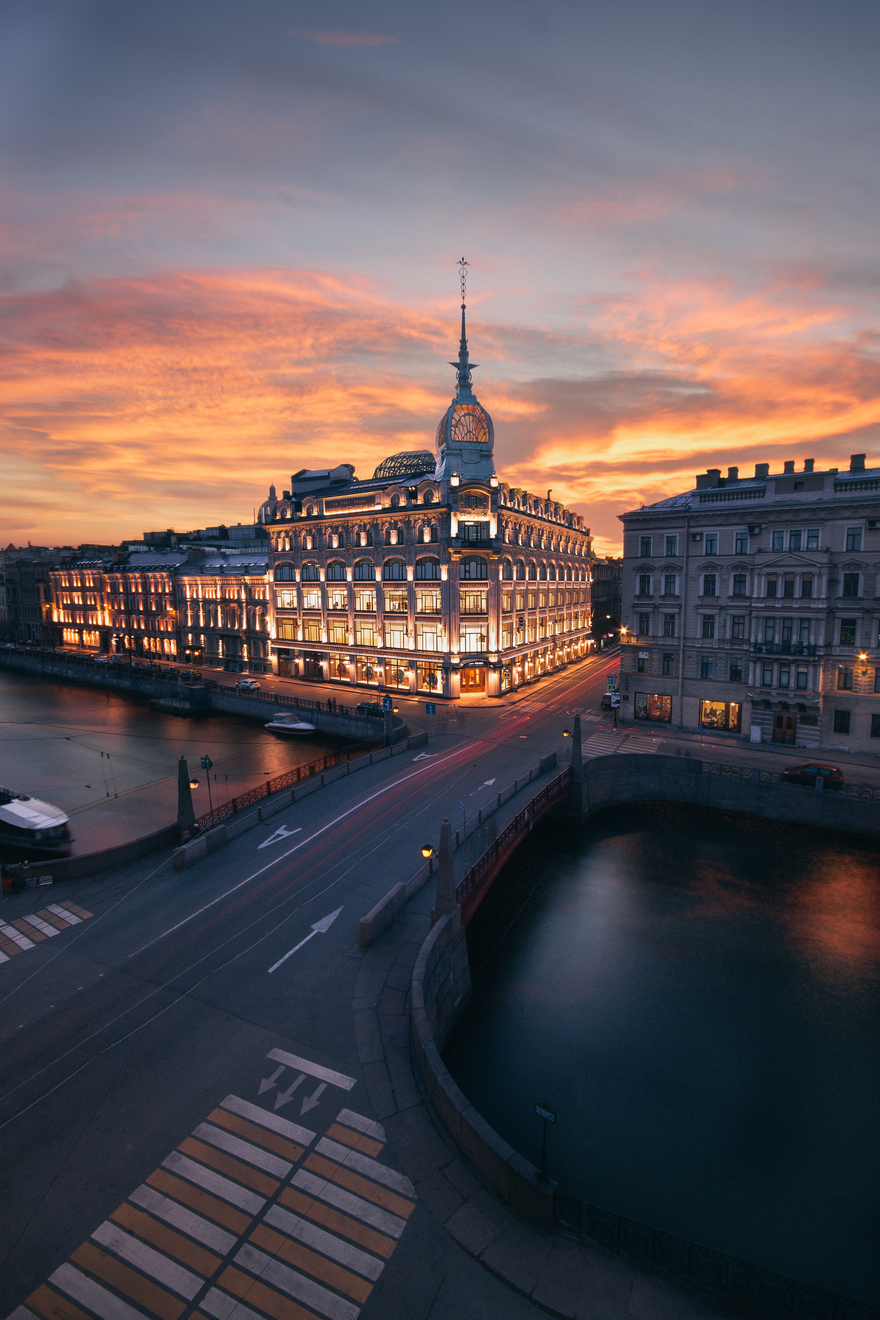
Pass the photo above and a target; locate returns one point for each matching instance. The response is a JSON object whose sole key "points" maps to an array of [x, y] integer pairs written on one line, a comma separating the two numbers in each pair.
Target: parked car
{"points": [[807, 774], [605, 703], [247, 685], [369, 708]]}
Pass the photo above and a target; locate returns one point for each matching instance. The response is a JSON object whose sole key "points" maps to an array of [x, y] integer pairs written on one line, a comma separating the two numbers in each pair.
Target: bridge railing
{"points": [[862, 792], [760, 1289], [290, 777]]}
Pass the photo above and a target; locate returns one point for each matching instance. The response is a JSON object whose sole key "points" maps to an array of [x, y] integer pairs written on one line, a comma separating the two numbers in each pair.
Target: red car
{"points": [[806, 774]]}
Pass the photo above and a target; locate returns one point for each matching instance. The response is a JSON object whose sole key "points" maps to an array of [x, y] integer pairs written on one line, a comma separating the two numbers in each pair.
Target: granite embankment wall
{"points": [[441, 983]]}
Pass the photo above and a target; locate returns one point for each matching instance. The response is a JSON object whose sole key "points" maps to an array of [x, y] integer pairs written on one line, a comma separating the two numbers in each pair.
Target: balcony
{"points": [[783, 648]]}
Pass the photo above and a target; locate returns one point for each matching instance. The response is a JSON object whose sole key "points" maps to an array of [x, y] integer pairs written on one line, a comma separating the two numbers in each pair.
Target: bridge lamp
{"points": [[427, 850], [566, 733], [193, 783]]}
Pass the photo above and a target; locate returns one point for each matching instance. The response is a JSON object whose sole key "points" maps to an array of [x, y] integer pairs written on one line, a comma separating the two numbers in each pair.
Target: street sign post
{"points": [[430, 708], [206, 765]]}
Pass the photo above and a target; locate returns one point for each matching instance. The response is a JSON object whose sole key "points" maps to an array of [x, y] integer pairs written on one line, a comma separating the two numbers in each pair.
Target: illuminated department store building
{"points": [[433, 577]]}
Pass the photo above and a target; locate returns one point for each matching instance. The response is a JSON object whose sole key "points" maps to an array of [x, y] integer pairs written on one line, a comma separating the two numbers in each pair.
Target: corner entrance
{"points": [[784, 728], [472, 678]]}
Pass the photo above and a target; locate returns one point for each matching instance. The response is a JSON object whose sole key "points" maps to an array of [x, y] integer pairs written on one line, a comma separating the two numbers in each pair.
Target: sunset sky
{"points": [[229, 233]]}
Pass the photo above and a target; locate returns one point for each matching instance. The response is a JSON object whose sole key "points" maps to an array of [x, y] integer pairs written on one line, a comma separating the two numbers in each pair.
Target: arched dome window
{"points": [[428, 497], [395, 501], [336, 571], [310, 573], [310, 510], [473, 567], [507, 570], [284, 573], [394, 570], [427, 570], [364, 571], [285, 511], [520, 571], [533, 573]]}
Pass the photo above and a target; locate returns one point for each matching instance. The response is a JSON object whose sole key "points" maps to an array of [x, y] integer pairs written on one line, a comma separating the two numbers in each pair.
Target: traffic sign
{"points": [[206, 763], [545, 1113], [430, 708]]}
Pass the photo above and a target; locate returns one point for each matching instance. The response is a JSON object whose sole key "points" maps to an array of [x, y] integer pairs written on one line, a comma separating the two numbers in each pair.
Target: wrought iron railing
{"points": [[702, 1267], [550, 796], [289, 778], [784, 648], [862, 792], [282, 699]]}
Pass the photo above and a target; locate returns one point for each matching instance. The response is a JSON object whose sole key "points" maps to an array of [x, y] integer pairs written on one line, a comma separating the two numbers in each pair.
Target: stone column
{"points": [[186, 817], [445, 900]]}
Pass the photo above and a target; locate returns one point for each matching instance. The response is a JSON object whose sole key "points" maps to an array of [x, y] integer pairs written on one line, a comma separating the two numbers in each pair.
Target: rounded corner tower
{"points": [[465, 434]]}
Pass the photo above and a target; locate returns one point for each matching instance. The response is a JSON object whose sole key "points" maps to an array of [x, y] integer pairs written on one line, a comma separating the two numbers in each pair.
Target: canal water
{"points": [[110, 762], [696, 996]]}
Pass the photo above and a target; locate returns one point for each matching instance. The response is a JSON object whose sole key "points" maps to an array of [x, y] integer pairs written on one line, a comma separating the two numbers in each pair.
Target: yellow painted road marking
{"points": [[260, 1136], [231, 1167], [370, 1191], [74, 907], [30, 932], [54, 1307], [203, 1202], [311, 1263], [257, 1294], [166, 1239], [60, 923], [338, 1222], [356, 1140], [142, 1291]]}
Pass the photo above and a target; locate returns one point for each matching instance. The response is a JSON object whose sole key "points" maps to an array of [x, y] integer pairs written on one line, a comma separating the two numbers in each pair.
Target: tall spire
{"points": [[464, 367]]}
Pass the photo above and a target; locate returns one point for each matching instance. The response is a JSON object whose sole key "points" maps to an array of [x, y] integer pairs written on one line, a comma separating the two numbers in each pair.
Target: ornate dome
{"points": [[414, 463]]}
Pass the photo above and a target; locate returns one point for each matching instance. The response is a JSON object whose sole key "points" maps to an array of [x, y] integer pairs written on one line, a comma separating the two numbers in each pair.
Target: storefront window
{"points": [[721, 715], [428, 676], [653, 706], [366, 672]]}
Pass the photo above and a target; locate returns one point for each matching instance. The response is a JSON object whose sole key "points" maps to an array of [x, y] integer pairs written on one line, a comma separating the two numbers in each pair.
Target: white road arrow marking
{"points": [[285, 1097], [313, 1100], [424, 756], [487, 783], [319, 928], [268, 1082], [281, 833]]}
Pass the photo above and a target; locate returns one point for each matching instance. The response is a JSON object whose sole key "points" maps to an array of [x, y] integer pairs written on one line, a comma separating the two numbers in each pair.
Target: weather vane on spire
{"points": [[462, 268]]}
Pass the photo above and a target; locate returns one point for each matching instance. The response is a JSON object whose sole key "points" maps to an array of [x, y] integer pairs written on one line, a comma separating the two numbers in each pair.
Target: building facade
{"points": [[432, 577], [223, 612], [607, 578], [119, 609], [752, 607]]}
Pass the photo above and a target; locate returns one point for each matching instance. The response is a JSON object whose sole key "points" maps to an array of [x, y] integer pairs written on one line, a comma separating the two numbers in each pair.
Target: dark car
{"points": [[807, 774], [369, 708]]}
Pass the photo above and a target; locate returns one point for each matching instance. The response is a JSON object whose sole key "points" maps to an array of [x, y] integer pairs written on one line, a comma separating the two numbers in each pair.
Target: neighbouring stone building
{"points": [[752, 606], [223, 611], [431, 577]]}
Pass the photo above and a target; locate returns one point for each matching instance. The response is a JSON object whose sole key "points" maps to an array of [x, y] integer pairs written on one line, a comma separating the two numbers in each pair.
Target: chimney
{"points": [[762, 469], [788, 467], [714, 475], [809, 464], [857, 462], [733, 474], [702, 480]]}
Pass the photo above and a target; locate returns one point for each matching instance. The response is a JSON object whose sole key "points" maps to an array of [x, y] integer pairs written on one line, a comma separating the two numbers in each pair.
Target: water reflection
{"points": [[110, 761], [696, 995]]}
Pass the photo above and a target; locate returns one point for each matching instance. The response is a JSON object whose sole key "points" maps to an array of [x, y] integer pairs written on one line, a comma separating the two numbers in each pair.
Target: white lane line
{"points": [[92, 1295], [213, 1182], [14, 934], [243, 1150], [302, 843], [272, 1121], [318, 928], [305, 1231], [186, 1220], [352, 1205], [223, 1307], [313, 1069], [353, 1159], [295, 1284], [148, 1261], [64, 914], [4, 957], [22, 1313], [361, 1124]]}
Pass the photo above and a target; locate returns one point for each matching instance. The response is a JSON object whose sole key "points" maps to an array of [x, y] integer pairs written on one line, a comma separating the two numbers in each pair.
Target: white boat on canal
{"points": [[26, 822]]}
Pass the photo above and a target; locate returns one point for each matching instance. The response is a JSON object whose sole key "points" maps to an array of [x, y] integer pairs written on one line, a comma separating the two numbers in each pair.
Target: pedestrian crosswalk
{"points": [[251, 1217], [606, 744], [26, 932]]}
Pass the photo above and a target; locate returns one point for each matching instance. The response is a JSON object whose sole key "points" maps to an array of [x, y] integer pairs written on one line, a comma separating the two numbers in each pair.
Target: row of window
{"points": [[774, 630], [471, 568], [775, 584], [798, 539]]}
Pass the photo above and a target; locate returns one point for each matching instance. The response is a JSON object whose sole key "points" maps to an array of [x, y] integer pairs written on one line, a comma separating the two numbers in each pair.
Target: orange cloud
{"points": [[176, 400]]}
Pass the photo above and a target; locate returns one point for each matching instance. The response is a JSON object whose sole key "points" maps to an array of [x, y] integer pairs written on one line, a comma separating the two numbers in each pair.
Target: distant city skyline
{"points": [[229, 241]]}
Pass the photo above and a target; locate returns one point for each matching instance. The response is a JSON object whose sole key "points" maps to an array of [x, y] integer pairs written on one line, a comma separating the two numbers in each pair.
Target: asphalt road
{"points": [[121, 1035]]}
